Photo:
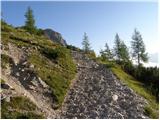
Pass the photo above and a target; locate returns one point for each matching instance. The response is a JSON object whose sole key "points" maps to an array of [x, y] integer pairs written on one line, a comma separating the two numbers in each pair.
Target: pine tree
{"points": [[117, 48], [121, 50], [30, 21], [103, 54], [108, 52], [138, 47], [124, 52], [85, 43]]}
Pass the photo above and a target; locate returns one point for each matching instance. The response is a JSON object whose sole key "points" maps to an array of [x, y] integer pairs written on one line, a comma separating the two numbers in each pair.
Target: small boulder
{"points": [[31, 66], [24, 63], [31, 87], [8, 99], [42, 83], [115, 97], [5, 86], [17, 74]]}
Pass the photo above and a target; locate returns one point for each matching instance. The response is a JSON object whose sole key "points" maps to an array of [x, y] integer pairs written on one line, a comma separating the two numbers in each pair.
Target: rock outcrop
{"points": [[55, 36]]}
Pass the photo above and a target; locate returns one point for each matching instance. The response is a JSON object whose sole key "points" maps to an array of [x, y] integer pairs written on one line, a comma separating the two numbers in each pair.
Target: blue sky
{"points": [[100, 20]]}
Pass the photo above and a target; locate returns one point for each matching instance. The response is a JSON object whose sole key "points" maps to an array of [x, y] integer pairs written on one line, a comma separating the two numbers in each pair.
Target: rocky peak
{"points": [[55, 36]]}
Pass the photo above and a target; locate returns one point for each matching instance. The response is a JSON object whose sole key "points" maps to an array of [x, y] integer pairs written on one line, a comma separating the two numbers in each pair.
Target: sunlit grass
{"points": [[19, 108], [153, 107]]}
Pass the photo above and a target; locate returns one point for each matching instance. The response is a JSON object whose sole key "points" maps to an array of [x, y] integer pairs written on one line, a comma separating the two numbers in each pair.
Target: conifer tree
{"points": [[85, 43], [121, 50], [108, 52], [138, 47], [30, 21], [117, 48]]}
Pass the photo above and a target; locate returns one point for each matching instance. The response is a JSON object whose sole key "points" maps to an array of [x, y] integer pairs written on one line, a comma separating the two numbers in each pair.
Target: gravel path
{"points": [[97, 93]]}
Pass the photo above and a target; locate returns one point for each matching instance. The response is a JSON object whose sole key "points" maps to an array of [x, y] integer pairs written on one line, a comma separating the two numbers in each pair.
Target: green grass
{"points": [[56, 68], [22, 38], [2, 81], [5, 60], [19, 107], [153, 107], [52, 62]]}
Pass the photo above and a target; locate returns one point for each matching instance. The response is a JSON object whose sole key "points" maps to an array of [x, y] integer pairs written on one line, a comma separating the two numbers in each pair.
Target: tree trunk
{"points": [[138, 60]]}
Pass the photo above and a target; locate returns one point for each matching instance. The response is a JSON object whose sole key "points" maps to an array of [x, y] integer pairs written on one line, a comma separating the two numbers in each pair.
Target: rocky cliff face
{"points": [[55, 36]]}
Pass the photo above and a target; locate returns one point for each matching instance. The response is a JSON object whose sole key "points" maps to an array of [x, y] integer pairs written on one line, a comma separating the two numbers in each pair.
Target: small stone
{"points": [[32, 87], [42, 83], [24, 63], [31, 66], [7, 99], [34, 82], [17, 74], [114, 97]]}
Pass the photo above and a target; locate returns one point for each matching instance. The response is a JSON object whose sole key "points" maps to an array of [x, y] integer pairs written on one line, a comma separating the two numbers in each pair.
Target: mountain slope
{"points": [[35, 67], [58, 82]]}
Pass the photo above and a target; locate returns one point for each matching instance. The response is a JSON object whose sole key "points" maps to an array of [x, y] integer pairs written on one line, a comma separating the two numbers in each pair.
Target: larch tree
{"points": [[108, 52], [120, 50], [85, 43], [30, 21], [117, 47], [138, 48]]}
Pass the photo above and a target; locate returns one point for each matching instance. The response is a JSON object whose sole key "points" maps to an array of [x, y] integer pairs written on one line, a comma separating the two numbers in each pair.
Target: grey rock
{"points": [[31, 66], [17, 74], [55, 36], [8, 99], [42, 83], [115, 97]]}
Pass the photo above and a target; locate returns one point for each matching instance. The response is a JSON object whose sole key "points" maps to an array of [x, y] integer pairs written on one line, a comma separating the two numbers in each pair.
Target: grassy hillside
{"points": [[19, 107], [152, 109], [53, 63]]}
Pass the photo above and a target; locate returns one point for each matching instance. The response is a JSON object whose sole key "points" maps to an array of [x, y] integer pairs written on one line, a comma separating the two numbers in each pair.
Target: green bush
{"points": [[50, 53]]}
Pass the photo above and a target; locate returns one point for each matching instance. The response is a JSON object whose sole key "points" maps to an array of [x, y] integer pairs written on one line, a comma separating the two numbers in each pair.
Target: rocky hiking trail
{"points": [[97, 93], [94, 93]]}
